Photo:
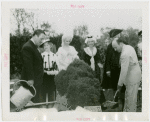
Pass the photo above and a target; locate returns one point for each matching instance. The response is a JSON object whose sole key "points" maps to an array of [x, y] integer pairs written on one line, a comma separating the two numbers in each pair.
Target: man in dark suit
{"points": [[32, 70]]}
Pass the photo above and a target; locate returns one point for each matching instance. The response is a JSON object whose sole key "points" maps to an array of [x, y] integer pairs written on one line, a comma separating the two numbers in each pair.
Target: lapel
{"points": [[89, 52], [36, 50]]}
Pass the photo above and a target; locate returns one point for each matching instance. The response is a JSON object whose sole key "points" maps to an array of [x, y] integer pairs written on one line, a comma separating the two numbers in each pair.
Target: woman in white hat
{"points": [[50, 70], [91, 56], [66, 53]]}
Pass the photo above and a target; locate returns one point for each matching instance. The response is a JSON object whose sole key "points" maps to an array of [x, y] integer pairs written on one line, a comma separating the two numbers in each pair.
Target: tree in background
{"points": [[30, 20], [19, 15], [80, 33], [26, 32], [45, 26], [132, 37], [25, 21], [81, 30]]}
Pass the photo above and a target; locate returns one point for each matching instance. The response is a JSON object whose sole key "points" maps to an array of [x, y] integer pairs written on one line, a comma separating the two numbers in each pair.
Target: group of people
{"points": [[122, 72], [121, 66]]}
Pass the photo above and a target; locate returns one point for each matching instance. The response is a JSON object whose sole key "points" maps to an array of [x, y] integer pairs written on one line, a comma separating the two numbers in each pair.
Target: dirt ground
{"points": [[115, 109]]}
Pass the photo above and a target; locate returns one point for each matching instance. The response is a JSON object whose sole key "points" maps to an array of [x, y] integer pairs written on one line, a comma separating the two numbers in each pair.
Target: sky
{"points": [[64, 20]]}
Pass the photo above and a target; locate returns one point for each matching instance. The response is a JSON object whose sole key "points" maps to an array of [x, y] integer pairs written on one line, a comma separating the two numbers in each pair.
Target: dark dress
{"points": [[112, 65], [32, 68], [48, 85]]}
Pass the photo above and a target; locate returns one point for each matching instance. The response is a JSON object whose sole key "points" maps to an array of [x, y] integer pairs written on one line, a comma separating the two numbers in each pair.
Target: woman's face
{"points": [[67, 41], [46, 46], [91, 43]]}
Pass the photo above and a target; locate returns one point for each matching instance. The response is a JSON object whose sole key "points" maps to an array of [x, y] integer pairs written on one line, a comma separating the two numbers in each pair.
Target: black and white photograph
{"points": [[75, 60]]}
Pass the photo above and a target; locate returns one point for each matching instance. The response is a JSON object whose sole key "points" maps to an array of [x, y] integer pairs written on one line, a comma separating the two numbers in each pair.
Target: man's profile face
{"points": [[39, 39], [117, 47]]}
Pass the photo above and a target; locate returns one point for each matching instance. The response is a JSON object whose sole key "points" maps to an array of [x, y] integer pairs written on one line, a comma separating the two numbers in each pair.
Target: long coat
{"points": [[97, 60], [112, 65], [32, 67]]}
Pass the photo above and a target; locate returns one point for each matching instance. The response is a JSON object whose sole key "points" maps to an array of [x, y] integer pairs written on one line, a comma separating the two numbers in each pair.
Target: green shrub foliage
{"points": [[16, 43], [79, 85]]}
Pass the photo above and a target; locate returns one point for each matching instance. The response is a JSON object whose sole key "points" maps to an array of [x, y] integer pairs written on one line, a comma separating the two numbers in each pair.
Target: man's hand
{"points": [[108, 73], [31, 82]]}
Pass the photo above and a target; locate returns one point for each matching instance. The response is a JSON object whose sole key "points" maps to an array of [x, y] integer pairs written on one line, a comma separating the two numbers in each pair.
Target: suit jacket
{"points": [[32, 64], [130, 69]]}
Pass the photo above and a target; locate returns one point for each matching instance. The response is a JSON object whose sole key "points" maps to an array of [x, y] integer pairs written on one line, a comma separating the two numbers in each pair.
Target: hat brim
{"points": [[45, 42], [114, 32]]}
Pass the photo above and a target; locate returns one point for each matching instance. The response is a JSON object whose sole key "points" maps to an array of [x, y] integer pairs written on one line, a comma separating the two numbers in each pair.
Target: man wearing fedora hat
{"points": [[32, 70]]}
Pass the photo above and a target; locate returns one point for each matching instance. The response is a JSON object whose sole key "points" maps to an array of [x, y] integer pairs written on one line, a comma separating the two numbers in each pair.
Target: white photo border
{"points": [[40, 113]]}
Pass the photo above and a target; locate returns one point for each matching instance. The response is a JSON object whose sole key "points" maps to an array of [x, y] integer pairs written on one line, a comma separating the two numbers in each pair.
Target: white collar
{"points": [[48, 52], [32, 40], [89, 52], [123, 48]]}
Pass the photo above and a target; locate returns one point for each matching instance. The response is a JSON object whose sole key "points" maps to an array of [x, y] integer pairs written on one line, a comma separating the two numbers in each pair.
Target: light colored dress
{"points": [[130, 76], [64, 58]]}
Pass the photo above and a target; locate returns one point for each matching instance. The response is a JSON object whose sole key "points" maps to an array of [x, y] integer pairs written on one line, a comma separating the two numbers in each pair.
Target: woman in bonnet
{"points": [[50, 70], [66, 53], [91, 56]]}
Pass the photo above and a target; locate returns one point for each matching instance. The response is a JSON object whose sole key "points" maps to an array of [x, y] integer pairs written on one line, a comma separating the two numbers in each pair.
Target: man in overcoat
{"points": [[32, 70], [111, 67]]}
